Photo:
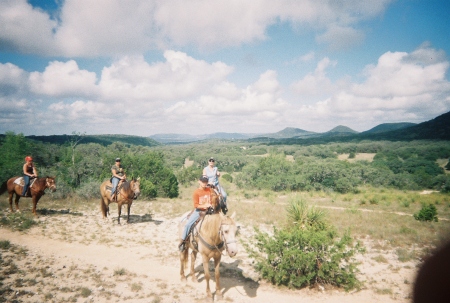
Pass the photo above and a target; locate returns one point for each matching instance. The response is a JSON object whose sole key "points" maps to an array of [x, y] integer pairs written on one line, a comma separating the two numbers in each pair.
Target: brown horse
{"points": [[36, 190], [211, 236], [126, 193]]}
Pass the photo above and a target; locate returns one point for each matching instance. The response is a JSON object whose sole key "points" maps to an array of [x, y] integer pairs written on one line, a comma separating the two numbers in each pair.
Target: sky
{"points": [[145, 67]]}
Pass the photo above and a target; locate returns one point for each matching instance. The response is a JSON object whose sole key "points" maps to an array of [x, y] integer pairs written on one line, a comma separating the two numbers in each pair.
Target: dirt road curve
{"points": [[138, 262]]}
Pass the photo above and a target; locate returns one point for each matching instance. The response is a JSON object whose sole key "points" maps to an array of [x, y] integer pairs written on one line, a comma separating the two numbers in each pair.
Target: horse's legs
{"points": [[183, 260], [10, 197], [207, 275], [35, 201], [217, 276], [103, 207], [193, 258], [128, 209], [16, 202], [119, 210]]}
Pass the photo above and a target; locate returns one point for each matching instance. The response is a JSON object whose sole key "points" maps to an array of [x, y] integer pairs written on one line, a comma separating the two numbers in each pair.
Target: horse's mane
{"points": [[126, 186]]}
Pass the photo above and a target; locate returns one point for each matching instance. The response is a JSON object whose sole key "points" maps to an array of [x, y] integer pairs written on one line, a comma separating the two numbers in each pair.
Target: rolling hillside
{"points": [[104, 140]]}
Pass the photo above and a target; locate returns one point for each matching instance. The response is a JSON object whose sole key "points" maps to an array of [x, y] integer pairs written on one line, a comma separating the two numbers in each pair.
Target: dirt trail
{"points": [[85, 251]]}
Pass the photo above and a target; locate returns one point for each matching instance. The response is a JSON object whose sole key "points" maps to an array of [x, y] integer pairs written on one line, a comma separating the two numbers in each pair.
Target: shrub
{"points": [[306, 254], [89, 189], [228, 177], [427, 213]]}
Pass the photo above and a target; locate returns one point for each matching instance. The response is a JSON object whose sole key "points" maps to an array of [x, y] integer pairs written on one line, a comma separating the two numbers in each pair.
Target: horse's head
{"points": [[228, 230], [50, 183], [135, 186]]}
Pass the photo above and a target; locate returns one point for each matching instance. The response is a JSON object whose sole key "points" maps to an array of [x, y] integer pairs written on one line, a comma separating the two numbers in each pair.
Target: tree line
{"points": [[80, 167]]}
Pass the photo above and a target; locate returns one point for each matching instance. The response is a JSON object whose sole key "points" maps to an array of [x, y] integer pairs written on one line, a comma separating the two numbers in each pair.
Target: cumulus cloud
{"points": [[180, 76], [183, 94], [25, 29], [63, 79], [412, 86], [11, 79], [117, 28], [316, 83]]}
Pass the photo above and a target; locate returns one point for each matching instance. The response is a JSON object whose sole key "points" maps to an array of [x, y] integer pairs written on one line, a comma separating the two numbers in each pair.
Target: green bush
{"points": [[228, 177], [427, 213], [306, 254]]}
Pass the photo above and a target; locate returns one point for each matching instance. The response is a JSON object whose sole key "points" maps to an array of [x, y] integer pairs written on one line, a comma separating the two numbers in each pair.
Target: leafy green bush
{"points": [[427, 213], [306, 254], [228, 177]]}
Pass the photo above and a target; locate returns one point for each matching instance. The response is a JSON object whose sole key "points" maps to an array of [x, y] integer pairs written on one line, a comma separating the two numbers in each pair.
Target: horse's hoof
{"points": [[183, 279], [194, 279], [219, 297]]}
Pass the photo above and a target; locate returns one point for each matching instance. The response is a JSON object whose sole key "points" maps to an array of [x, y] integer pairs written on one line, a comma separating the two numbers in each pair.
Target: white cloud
{"points": [[12, 79], [182, 94], [401, 86], [316, 83], [63, 79], [117, 28], [180, 76]]}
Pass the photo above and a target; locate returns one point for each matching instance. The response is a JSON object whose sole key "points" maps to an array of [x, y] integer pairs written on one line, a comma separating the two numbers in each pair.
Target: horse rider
{"points": [[118, 174], [29, 172], [213, 174], [202, 201]]}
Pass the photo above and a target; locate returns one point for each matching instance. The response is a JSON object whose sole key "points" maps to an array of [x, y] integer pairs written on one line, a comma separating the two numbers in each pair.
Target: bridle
{"points": [[50, 185], [222, 244]]}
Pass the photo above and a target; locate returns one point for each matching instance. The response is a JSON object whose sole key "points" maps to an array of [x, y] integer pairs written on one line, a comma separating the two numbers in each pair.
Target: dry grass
{"points": [[358, 157]]}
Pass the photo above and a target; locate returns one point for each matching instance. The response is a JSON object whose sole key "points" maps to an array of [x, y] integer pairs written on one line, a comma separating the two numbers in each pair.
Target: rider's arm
{"points": [[114, 173], [35, 173]]}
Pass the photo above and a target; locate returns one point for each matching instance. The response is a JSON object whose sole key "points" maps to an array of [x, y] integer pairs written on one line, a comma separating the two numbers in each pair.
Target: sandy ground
{"points": [[79, 257]]}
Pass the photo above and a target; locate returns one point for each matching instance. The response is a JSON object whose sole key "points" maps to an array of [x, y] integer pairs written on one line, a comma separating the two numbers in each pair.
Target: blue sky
{"points": [[142, 67]]}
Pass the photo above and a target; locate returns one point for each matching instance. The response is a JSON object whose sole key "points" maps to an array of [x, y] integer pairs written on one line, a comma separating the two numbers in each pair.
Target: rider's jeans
{"points": [[191, 220], [114, 182], [26, 179], [224, 194]]}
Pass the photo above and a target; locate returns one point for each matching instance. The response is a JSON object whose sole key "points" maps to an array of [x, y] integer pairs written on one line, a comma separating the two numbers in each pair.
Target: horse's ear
{"points": [[139, 178], [233, 215]]}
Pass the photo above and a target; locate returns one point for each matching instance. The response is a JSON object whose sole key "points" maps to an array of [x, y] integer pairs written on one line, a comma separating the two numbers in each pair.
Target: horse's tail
{"points": [[4, 187]]}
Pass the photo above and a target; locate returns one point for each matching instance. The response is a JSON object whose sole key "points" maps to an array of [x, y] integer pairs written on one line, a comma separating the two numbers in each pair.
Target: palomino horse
{"points": [[212, 235], [126, 193], [36, 191]]}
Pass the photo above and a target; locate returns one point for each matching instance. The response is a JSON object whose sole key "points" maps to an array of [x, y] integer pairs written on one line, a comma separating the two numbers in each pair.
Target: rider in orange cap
{"points": [[29, 172]]}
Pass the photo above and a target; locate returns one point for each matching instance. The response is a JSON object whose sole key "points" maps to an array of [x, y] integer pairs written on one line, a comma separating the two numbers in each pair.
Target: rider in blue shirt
{"points": [[213, 174]]}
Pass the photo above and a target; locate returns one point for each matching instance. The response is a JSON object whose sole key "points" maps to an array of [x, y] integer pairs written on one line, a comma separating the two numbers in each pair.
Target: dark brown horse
{"points": [[126, 193], [212, 235], [36, 190]]}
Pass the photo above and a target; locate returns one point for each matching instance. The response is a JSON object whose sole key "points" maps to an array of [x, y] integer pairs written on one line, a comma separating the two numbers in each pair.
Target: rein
{"points": [[131, 192], [38, 181], [220, 245]]}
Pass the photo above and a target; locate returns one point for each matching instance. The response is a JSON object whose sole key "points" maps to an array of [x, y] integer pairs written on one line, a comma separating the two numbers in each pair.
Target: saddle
{"points": [[21, 182], [190, 234], [118, 188]]}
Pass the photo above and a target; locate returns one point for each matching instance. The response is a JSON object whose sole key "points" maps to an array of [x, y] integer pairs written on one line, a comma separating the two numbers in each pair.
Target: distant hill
{"points": [[342, 129], [104, 140], [290, 132], [435, 129], [385, 127], [185, 138]]}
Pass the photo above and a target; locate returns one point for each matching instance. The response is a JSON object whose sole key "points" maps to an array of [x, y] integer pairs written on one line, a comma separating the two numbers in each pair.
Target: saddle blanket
{"points": [[21, 182]]}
